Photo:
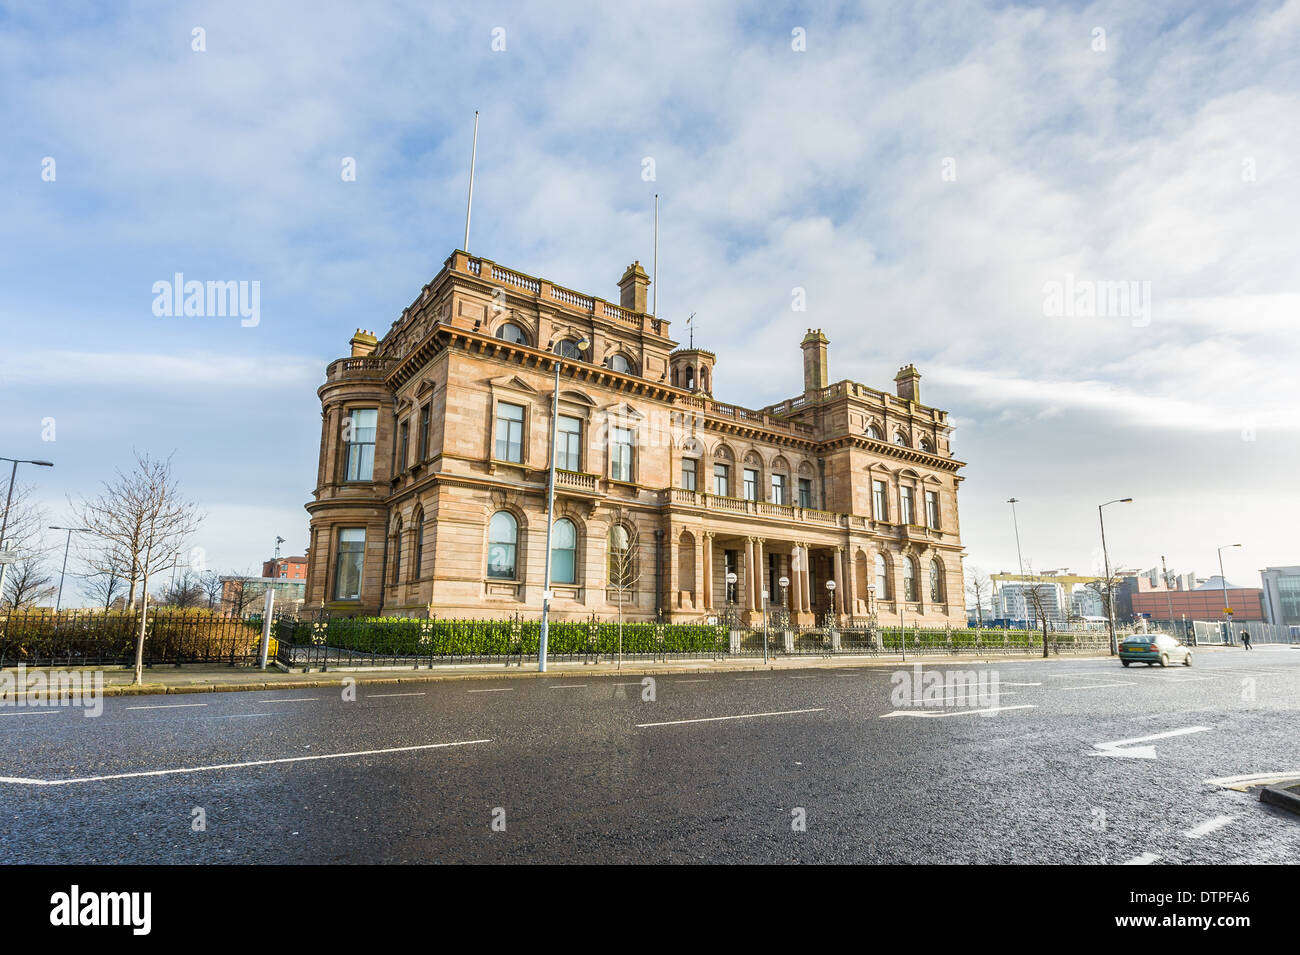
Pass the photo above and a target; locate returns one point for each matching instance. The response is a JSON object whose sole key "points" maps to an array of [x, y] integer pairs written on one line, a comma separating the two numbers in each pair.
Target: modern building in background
{"points": [[431, 491], [1281, 595], [1205, 602], [244, 595]]}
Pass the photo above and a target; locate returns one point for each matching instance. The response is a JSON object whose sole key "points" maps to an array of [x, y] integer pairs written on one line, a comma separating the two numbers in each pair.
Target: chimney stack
{"points": [[363, 344], [632, 288], [815, 373], [908, 382]]}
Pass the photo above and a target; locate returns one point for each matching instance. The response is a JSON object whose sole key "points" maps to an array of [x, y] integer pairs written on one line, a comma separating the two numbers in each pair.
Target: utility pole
{"points": [[1110, 589], [4, 522], [1227, 608], [66, 544], [1169, 594], [1019, 560]]}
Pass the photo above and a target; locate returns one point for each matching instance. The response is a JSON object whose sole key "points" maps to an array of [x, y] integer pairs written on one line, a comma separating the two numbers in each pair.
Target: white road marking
{"points": [[627, 684], [690, 681], [750, 679], [32, 713], [296, 699], [1093, 686], [1242, 783], [924, 714], [719, 719], [22, 781], [164, 706], [1145, 858], [567, 686], [384, 696], [499, 689], [803, 677], [1205, 828], [1141, 752]]}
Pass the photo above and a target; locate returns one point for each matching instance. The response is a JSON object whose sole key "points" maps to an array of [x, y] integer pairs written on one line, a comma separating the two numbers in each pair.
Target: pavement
{"points": [[1066, 760]]}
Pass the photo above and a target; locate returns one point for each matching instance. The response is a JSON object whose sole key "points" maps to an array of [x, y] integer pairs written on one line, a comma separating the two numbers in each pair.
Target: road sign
{"points": [[1228, 611]]}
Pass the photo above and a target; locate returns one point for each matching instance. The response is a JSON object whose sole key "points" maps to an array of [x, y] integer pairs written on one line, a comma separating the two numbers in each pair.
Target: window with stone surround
{"points": [[425, 414], [568, 443], [932, 509], [879, 501], [564, 552], [936, 581], [722, 480], [909, 579], [359, 429], [503, 541], [805, 492], [349, 560], [510, 433], [907, 497], [882, 578], [620, 454]]}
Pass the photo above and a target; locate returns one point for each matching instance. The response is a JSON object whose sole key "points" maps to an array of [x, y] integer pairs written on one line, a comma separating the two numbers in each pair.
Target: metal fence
{"points": [[98, 638], [892, 641], [1217, 633]]}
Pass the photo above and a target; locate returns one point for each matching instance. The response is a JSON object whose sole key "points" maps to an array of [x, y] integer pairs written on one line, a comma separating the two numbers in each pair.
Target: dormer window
{"points": [[620, 364]]}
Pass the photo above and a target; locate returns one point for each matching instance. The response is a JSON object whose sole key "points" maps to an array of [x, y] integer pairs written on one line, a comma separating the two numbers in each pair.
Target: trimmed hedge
{"points": [[393, 636]]}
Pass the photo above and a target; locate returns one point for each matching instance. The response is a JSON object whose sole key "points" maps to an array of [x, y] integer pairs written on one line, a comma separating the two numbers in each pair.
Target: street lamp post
{"points": [[1020, 562], [1227, 610], [4, 522], [550, 516], [1105, 556], [66, 544]]}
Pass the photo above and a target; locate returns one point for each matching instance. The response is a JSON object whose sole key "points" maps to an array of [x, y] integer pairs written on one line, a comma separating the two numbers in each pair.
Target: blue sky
{"points": [[820, 169]]}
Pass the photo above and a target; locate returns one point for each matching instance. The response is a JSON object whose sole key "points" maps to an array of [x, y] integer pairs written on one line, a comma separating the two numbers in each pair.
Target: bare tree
{"points": [[143, 523], [1035, 600], [624, 569], [185, 592], [106, 587], [240, 592], [211, 584], [28, 580], [978, 586]]}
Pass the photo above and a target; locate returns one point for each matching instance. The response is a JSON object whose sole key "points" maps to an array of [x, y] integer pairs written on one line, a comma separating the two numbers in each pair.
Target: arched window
{"points": [[621, 570], [503, 538], [909, 579], [512, 333], [882, 578], [927, 446], [690, 379], [874, 433], [900, 439], [397, 553], [568, 348], [936, 581], [619, 363], [564, 552], [418, 562]]}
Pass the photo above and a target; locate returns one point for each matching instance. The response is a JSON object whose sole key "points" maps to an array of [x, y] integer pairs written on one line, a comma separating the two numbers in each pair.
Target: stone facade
{"points": [[431, 493]]}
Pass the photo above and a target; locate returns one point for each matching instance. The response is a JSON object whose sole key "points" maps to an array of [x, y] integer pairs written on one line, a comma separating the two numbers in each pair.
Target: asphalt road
{"points": [[583, 769]]}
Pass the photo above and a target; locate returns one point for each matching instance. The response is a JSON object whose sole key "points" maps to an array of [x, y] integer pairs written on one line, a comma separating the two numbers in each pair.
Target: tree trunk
{"points": [[139, 643], [1044, 637]]}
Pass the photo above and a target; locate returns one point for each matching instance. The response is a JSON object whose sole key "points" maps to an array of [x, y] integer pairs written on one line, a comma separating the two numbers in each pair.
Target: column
{"points": [[749, 573], [760, 578], [797, 578], [673, 583], [807, 579], [708, 570], [698, 583], [838, 560], [851, 580]]}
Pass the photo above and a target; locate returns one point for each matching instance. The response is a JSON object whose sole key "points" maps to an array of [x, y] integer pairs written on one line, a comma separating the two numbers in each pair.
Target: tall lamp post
{"points": [[1227, 610], [1105, 556], [1013, 501], [4, 523], [66, 544], [550, 513]]}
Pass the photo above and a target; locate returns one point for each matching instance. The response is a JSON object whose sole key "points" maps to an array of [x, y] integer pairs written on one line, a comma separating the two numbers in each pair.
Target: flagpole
{"points": [[654, 281], [469, 203]]}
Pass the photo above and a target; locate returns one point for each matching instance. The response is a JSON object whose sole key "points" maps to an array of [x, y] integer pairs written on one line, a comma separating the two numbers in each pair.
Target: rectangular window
{"points": [[360, 463], [751, 484], [805, 492], [403, 446], [879, 501], [620, 455], [722, 480], [932, 509], [425, 413], [510, 433], [909, 505], [778, 489], [568, 444], [348, 563], [690, 470]]}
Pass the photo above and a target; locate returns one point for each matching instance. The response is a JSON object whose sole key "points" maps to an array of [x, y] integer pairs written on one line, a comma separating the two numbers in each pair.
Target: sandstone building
{"points": [[435, 446]]}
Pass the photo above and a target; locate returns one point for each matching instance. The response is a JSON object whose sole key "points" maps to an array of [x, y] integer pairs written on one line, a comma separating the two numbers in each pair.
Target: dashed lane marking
{"points": [[384, 696], [1210, 825], [719, 719], [23, 781], [498, 689], [1145, 858], [164, 706], [924, 714]]}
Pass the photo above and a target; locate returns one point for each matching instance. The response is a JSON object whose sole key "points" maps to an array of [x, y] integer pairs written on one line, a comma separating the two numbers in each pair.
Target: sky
{"points": [[945, 184]]}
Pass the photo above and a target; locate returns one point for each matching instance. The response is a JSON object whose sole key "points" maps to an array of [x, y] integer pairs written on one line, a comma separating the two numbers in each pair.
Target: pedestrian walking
{"points": [[1245, 639]]}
